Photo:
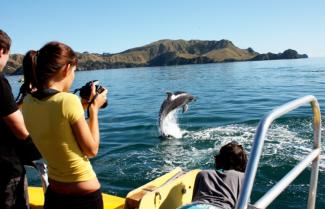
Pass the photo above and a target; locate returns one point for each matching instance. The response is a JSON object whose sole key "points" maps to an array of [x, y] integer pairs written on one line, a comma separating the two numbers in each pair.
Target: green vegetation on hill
{"points": [[166, 52]]}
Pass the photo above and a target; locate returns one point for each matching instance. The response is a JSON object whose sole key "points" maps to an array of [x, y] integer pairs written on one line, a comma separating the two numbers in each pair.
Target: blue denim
{"points": [[199, 206]]}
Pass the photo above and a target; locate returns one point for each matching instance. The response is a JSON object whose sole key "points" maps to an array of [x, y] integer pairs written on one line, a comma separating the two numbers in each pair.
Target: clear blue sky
{"points": [[113, 26]]}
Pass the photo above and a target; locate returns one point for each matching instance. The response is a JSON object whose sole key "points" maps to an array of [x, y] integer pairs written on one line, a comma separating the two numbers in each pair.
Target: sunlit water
{"points": [[232, 98]]}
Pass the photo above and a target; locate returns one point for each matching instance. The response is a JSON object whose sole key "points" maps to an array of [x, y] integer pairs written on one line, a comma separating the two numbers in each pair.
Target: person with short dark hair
{"points": [[220, 188], [13, 184]]}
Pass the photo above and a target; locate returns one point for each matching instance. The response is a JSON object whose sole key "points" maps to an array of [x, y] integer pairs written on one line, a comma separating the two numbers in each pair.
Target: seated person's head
{"points": [[232, 156]]}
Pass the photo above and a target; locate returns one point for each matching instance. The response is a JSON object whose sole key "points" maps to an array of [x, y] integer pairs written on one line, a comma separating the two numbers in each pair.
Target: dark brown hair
{"points": [[231, 156], [5, 41], [40, 66]]}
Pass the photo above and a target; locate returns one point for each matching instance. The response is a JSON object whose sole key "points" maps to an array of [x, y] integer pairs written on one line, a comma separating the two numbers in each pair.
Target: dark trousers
{"points": [[13, 193], [55, 200]]}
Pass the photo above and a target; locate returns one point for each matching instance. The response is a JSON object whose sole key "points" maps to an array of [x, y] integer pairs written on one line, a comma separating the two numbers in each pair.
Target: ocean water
{"points": [[232, 98]]}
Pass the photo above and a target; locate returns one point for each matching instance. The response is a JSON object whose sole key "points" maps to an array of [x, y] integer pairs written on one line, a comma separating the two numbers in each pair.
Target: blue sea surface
{"points": [[232, 98]]}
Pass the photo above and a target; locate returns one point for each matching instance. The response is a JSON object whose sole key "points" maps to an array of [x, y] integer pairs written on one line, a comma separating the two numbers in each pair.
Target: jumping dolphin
{"points": [[173, 101]]}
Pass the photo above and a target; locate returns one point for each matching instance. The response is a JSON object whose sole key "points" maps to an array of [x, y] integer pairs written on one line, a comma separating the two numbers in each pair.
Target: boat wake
{"points": [[287, 142], [283, 144]]}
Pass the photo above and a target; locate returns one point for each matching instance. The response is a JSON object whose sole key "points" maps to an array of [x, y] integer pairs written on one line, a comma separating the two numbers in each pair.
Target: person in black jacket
{"points": [[13, 184]]}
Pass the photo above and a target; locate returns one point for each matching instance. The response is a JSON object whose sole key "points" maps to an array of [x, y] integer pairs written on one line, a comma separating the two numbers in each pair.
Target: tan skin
{"points": [[15, 120], [86, 134]]}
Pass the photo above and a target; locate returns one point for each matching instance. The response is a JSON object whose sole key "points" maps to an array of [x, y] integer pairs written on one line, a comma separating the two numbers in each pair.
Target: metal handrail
{"points": [[256, 152]]}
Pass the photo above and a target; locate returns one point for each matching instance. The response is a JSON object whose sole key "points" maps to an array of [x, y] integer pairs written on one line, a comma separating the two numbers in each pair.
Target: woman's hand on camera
{"points": [[100, 99]]}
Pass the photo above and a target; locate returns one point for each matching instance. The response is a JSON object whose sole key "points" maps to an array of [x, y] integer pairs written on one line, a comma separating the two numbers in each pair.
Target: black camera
{"points": [[85, 91]]}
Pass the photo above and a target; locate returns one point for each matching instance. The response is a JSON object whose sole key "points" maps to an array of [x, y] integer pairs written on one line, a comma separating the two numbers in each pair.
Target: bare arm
{"points": [[15, 122], [87, 135]]}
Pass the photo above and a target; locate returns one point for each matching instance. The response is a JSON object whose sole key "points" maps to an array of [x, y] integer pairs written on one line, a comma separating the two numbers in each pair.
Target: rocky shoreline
{"points": [[166, 53]]}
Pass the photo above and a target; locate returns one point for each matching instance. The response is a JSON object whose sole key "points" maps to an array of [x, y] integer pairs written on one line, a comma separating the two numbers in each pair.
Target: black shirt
{"points": [[10, 165]]}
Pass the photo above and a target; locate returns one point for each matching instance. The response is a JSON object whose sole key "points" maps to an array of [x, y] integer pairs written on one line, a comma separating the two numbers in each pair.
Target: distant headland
{"points": [[165, 53]]}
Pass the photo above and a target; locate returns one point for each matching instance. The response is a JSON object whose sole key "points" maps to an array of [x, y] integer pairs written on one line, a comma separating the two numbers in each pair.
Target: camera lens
{"points": [[85, 91]]}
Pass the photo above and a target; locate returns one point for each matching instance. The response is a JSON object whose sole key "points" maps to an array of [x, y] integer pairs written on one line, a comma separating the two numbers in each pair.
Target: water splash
{"points": [[284, 145], [170, 125]]}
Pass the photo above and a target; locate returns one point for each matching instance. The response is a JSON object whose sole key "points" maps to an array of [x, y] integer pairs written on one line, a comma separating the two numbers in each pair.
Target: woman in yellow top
{"points": [[56, 122]]}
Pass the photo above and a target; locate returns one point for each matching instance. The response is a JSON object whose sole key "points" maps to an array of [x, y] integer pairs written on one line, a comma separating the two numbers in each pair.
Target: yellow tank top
{"points": [[49, 123]]}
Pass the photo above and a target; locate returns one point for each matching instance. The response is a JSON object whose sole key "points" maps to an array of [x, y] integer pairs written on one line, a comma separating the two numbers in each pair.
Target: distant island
{"points": [[165, 53]]}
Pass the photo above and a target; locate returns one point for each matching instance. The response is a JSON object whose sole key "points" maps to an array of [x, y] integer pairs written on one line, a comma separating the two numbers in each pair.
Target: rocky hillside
{"points": [[287, 54], [14, 63], [167, 52]]}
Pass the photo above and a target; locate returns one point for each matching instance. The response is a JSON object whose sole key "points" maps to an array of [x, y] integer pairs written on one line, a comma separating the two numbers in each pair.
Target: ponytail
{"points": [[30, 80], [29, 68], [40, 66]]}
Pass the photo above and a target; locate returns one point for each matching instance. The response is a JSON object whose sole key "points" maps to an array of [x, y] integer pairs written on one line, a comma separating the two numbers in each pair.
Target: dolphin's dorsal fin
{"points": [[169, 95], [185, 108]]}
